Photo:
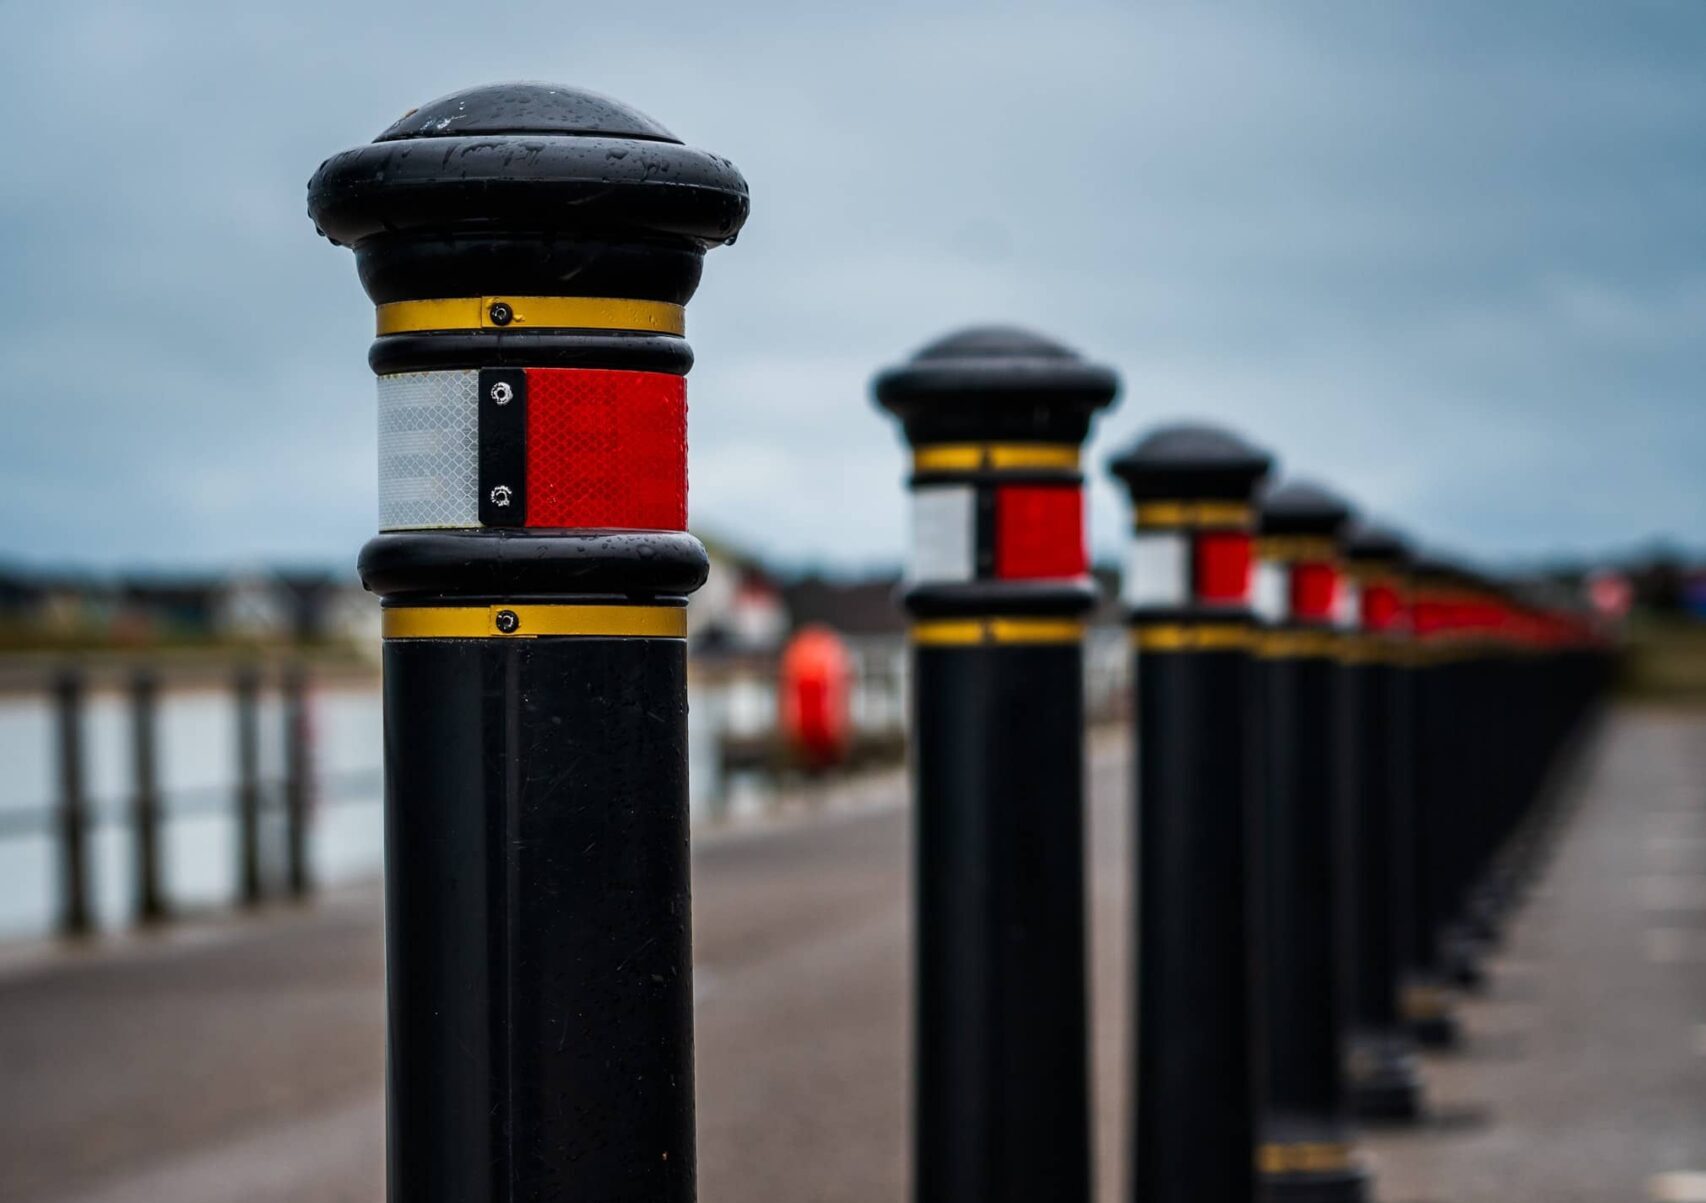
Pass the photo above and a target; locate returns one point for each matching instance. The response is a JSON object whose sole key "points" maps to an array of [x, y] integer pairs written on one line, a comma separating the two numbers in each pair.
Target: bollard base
{"points": [[1428, 1016], [1385, 1086], [1462, 960], [1348, 1185]]}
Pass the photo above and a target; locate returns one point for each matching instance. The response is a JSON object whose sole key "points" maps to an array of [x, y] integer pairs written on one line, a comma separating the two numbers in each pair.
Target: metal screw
{"points": [[500, 496], [502, 392], [501, 314], [507, 622]]}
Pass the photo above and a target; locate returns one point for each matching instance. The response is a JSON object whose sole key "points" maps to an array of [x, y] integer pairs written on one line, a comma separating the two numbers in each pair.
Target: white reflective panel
{"points": [[1271, 601], [1158, 569], [944, 533], [429, 450], [1347, 605]]}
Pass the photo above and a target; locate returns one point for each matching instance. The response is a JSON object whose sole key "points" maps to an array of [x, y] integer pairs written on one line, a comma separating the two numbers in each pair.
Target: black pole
{"points": [[531, 250], [145, 804], [1187, 597], [245, 697], [1305, 1152], [298, 777], [1385, 1084], [1429, 1005], [997, 592], [76, 917]]}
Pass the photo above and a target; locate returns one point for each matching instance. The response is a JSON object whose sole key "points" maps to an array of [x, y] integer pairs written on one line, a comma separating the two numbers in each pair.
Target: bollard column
{"points": [[76, 916], [531, 250], [150, 902], [997, 590], [1436, 768], [298, 777], [245, 701], [1385, 1084], [1305, 1151], [1187, 597]]}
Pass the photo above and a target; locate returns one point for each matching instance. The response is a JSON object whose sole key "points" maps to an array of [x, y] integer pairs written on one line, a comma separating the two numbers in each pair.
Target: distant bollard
{"points": [[1477, 718], [997, 591], [1187, 597], [245, 706], [76, 914], [1385, 1084], [1305, 1151], [814, 684], [150, 901], [1428, 1003], [531, 250], [298, 779]]}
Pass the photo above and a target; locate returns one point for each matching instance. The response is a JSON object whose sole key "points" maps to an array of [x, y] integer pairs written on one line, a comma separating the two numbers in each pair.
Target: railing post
{"points": [[531, 250], [1385, 1084], [1305, 1151], [1187, 597], [245, 700], [997, 592], [150, 900], [76, 917], [298, 778]]}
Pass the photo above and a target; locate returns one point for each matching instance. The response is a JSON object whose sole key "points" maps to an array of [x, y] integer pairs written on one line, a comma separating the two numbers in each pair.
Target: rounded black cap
{"points": [[1191, 461], [1371, 542], [531, 189], [990, 383], [1433, 566], [1300, 507]]}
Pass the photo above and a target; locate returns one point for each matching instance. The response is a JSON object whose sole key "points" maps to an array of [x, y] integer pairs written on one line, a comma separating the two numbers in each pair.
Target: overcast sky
{"points": [[1451, 259]]}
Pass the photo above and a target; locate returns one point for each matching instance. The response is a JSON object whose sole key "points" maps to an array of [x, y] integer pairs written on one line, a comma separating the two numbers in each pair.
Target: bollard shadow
{"points": [[1456, 1118], [1501, 1047]]}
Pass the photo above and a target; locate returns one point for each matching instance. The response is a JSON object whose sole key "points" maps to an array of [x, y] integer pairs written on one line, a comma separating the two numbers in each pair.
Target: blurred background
{"points": [[1450, 259]]}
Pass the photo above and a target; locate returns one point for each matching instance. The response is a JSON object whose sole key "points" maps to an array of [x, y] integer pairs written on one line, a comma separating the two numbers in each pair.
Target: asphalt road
{"points": [[243, 1060]]}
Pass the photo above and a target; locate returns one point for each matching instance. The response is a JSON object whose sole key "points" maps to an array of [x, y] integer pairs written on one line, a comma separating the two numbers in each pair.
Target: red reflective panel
{"points": [[1039, 532], [1382, 607], [1314, 590], [1222, 567], [606, 449], [1430, 615]]}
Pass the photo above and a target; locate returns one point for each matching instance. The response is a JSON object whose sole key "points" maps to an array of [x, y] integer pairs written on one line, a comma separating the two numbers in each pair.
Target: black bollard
{"points": [[150, 902], [1428, 1003], [997, 591], [245, 701], [298, 780], [76, 916], [531, 250], [1305, 1151], [1187, 597], [1385, 1084]]}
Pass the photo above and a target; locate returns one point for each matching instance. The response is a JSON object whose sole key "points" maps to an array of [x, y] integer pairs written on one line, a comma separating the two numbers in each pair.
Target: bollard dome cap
{"points": [[1191, 461], [989, 383], [476, 180], [1371, 542], [1301, 507], [1432, 566]]}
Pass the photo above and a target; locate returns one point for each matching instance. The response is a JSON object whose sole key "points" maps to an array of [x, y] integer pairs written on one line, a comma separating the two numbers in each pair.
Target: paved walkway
{"points": [[243, 1060]]}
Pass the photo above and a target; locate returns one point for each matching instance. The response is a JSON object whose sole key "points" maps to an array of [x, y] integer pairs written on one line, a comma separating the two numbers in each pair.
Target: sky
{"points": [[1449, 259]]}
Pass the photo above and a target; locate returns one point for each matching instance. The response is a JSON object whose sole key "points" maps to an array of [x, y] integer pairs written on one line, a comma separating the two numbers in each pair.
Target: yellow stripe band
{"points": [[1303, 1157], [1372, 649], [1194, 513], [994, 457], [546, 313], [1285, 644], [1192, 637], [968, 632], [1314, 548], [527, 622]]}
